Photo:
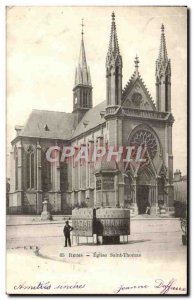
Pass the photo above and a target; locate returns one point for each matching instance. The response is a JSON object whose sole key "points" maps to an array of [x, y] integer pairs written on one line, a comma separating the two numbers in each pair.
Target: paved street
{"points": [[152, 231], [154, 250]]}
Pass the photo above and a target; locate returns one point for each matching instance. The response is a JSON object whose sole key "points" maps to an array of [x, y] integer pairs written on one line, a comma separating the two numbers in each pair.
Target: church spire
{"points": [[163, 50], [114, 68], [82, 91], [163, 76], [113, 50], [163, 56], [113, 43], [82, 75], [162, 62]]}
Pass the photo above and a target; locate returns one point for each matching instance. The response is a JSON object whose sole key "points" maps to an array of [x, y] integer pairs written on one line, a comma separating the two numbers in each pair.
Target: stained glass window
{"points": [[145, 138]]}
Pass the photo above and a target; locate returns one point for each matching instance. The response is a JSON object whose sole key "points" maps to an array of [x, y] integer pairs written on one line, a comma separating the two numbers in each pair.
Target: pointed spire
{"points": [[82, 56], [82, 75], [113, 68], [163, 76], [82, 24], [113, 50], [162, 62], [113, 44], [163, 50]]}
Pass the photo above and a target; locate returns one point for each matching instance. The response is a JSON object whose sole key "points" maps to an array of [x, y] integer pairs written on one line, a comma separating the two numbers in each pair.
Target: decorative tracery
{"points": [[137, 99], [144, 137]]}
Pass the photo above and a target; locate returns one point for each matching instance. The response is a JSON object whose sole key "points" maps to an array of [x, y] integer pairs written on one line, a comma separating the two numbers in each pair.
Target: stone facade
{"points": [[129, 116]]}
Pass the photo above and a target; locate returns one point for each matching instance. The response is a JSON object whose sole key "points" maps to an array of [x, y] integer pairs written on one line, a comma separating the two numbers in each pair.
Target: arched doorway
{"points": [[145, 187]]}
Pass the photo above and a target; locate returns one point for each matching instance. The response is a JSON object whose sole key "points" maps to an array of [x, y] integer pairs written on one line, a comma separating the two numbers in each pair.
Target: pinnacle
{"points": [[163, 50], [113, 16], [113, 44], [136, 61]]}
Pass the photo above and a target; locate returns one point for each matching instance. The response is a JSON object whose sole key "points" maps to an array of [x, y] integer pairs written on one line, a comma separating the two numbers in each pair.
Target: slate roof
{"points": [[92, 118], [59, 125]]}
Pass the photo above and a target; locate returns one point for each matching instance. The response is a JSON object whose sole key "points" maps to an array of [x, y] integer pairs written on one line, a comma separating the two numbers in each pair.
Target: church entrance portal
{"points": [[142, 198]]}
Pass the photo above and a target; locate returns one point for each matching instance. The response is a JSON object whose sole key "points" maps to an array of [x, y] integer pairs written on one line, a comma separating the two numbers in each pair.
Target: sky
{"points": [[43, 46]]}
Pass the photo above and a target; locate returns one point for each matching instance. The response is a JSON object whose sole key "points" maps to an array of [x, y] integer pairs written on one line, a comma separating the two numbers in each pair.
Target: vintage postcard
{"points": [[96, 198]]}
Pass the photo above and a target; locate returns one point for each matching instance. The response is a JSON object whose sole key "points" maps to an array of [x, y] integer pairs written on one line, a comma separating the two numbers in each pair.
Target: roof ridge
{"points": [[46, 110], [62, 112]]}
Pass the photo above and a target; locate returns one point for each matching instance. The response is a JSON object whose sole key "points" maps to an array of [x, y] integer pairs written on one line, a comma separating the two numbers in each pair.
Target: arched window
{"points": [[63, 176], [16, 167], [166, 93], [46, 173], [116, 85], [84, 99], [30, 168], [145, 137]]}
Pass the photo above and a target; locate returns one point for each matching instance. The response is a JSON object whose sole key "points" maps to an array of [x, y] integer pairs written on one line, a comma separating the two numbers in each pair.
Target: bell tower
{"points": [[163, 77], [82, 91], [113, 68]]}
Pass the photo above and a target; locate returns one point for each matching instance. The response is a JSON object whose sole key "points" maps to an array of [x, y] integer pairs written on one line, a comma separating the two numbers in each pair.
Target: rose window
{"points": [[145, 138]]}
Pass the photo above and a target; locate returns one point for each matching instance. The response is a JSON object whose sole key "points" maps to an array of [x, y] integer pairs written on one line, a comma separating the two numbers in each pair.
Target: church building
{"points": [[128, 116]]}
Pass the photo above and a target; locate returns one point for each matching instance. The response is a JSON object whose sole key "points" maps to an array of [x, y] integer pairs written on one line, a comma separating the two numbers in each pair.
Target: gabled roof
{"points": [[61, 125], [91, 119], [49, 124], [134, 78]]}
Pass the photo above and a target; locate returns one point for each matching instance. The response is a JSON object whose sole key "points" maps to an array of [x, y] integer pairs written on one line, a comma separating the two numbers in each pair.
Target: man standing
{"points": [[67, 229]]}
